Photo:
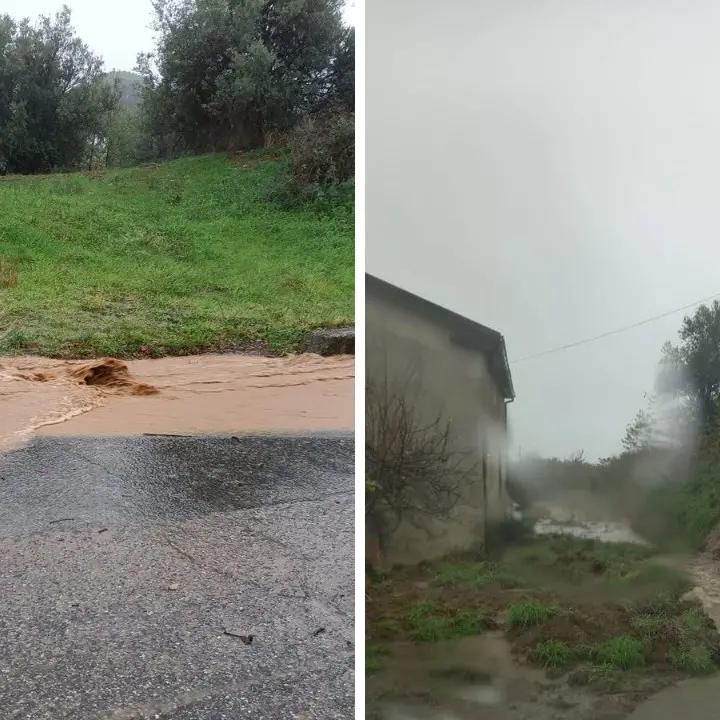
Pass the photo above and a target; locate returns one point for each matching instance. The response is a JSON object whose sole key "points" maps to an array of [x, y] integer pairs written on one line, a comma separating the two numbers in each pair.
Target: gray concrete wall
{"points": [[441, 378]]}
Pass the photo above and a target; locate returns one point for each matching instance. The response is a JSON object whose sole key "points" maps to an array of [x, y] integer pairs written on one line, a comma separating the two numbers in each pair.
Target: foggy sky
{"points": [[550, 169], [116, 30]]}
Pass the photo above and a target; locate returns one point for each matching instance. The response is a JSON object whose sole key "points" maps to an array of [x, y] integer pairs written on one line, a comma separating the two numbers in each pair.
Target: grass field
{"points": [[181, 258]]}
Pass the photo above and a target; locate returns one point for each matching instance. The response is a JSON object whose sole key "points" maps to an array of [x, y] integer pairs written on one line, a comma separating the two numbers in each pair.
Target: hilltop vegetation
{"points": [[224, 75], [129, 88], [181, 257]]}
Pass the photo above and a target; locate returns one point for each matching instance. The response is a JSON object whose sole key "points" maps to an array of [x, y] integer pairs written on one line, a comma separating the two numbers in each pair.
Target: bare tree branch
{"points": [[414, 472]]}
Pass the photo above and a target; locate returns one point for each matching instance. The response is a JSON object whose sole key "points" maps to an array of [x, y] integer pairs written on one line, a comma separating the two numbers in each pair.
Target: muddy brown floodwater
{"points": [[180, 395], [478, 677]]}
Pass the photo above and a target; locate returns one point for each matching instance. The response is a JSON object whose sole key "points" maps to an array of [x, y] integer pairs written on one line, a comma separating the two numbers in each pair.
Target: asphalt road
{"points": [[177, 579]]}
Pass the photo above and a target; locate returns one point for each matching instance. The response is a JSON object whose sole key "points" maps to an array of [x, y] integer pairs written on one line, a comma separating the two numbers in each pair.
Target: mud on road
{"points": [[201, 394]]}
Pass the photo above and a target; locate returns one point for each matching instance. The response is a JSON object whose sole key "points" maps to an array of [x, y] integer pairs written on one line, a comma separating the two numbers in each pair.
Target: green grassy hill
{"points": [[184, 257]]}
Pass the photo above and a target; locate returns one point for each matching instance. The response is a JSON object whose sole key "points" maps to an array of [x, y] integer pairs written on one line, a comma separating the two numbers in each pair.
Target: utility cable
{"points": [[625, 328]]}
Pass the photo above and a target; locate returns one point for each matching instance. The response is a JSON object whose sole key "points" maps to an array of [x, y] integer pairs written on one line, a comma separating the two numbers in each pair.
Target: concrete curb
{"points": [[329, 341]]}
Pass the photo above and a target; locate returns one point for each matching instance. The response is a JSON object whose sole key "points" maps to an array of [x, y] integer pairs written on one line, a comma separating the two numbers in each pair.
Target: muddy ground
{"points": [[605, 627]]}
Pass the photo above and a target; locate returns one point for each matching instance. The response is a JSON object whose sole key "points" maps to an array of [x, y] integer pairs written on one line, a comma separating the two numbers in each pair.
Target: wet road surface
{"points": [[177, 578]]}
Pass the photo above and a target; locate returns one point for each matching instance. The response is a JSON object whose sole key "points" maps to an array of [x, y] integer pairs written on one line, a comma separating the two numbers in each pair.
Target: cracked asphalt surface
{"points": [[125, 563]]}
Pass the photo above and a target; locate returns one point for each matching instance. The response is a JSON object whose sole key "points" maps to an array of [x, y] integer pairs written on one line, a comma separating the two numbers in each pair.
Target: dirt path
{"points": [[186, 395], [706, 572]]}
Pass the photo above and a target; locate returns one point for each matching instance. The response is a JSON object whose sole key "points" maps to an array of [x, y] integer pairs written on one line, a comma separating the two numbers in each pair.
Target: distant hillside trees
{"points": [[123, 143], [55, 100]]}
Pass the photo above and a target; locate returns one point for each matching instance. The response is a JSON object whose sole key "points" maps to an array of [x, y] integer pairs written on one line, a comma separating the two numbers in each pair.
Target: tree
{"points": [[691, 369], [341, 91], [230, 70], [413, 472], [122, 139], [54, 98], [639, 433]]}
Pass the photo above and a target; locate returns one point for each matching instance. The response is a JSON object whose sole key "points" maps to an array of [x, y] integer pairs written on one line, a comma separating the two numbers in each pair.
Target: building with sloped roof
{"points": [[455, 377]]}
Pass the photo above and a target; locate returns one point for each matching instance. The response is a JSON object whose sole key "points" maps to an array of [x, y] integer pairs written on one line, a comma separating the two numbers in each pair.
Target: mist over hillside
{"points": [[130, 83]]}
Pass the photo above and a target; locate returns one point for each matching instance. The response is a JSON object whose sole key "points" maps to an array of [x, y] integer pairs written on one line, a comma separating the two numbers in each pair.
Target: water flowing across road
{"points": [[204, 394]]}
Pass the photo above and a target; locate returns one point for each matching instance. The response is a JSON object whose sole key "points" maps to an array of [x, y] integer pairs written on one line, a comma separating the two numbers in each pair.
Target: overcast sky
{"points": [[550, 169], [116, 30]]}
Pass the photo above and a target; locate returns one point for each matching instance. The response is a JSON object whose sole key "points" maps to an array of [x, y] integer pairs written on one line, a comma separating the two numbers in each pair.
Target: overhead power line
{"points": [[617, 331]]}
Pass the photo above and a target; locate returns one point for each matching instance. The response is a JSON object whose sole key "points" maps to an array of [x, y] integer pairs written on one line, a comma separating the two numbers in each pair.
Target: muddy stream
{"points": [[204, 394], [479, 677]]}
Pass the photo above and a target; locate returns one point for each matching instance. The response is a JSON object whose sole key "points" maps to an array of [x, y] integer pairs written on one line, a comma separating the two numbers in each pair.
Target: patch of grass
{"points": [[694, 620], [661, 603], [430, 623], [183, 257], [435, 629], [611, 553], [563, 555], [374, 655], [649, 579], [695, 659], [529, 613], [422, 609], [556, 624], [474, 574], [614, 571], [621, 653], [696, 503], [560, 655], [649, 627]]}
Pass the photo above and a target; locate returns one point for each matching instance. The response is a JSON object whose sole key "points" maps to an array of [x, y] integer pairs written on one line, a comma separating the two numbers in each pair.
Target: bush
{"points": [[477, 575], [508, 532], [681, 514], [322, 155], [694, 659]]}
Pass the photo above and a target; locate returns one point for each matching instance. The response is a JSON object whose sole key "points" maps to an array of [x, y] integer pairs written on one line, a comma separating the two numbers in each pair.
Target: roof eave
{"points": [[510, 389]]}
